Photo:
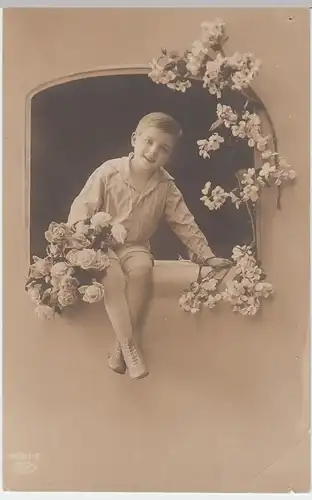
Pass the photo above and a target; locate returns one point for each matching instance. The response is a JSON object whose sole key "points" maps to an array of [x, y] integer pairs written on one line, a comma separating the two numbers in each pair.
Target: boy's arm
{"points": [[183, 224], [90, 198]]}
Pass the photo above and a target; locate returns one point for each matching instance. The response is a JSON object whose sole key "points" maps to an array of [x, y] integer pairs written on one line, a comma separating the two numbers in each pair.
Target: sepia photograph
{"points": [[156, 250]]}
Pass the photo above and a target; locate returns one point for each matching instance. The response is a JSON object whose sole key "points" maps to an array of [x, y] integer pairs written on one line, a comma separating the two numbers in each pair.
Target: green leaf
{"points": [[216, 124], [46, 294], [58, 309], [181, 67], [170, 65]]}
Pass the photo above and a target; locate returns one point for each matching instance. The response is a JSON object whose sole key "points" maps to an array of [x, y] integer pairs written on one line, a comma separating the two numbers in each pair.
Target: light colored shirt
{"points": [[109, 189]]}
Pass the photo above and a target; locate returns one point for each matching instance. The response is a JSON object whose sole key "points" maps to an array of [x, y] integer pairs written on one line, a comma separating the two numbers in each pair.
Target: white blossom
{"points": [[266, 154], [213, 79], [244, 69], [212, 32], [210, 285], [212, 144], [219, 195], [196, 57], [235, 199], [226, 114], [244, 292], [248, 176], [212, 300], [216, 200], [239, 130], [179, 85], [159, 75], [250, 192], [262, 143], [266, 170], [206, 189]]}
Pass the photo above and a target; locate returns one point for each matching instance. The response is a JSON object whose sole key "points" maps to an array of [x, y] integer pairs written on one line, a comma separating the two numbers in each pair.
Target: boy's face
{"points": [[152, 148]]}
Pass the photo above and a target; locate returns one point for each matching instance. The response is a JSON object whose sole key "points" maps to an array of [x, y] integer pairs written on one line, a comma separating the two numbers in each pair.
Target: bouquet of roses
{"points": [[75, 264]]}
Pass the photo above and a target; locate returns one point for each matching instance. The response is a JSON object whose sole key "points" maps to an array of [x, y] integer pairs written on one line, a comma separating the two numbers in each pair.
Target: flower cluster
{"points": [[212, 37], [236, 72], [215, 198], [251, 182], [226, 115], [174, 71], [213, 33], [201, 293], [244, 68], [76, 259], [214, 75], [249, 128], [212, 144], [273, 169], [217, 71], [243, 293]]}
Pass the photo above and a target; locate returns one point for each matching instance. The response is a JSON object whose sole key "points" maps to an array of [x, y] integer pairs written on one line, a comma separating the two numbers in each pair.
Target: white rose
{"points": [[102, 261], [61, 269], [119, 233], [67, 297], [78, 241], [92, 293], [41, 267], [55, 249], [57, 232], [86, 258], [81, 228], [44, 312], [100, 219], [34, 294], [68, 283]]}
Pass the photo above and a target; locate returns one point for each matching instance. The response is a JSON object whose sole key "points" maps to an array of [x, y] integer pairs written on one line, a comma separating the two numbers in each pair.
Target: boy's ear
{"points": [[133, 139]]}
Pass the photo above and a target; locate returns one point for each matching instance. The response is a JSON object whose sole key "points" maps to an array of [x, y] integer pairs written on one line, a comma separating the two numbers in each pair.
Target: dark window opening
{"points": [[78, 125]]}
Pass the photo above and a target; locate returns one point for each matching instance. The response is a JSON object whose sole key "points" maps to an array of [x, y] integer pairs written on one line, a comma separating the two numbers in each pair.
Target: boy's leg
{"points": [[118, 311], [137, 266], [115, 300]]}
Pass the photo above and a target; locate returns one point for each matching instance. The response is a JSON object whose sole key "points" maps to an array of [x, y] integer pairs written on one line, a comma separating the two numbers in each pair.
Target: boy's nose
{"points": [[152, 151]]}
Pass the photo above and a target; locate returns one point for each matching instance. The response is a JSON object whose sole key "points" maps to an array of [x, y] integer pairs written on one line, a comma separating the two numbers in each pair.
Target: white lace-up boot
{"points": [[116, 360], [133, 359]]}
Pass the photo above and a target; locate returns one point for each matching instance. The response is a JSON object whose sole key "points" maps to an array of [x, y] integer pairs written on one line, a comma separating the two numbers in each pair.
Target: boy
{"points": [[136, 191]]}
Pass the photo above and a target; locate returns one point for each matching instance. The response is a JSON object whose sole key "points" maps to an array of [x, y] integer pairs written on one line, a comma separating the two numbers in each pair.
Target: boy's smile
{"points": [[152, 148]]}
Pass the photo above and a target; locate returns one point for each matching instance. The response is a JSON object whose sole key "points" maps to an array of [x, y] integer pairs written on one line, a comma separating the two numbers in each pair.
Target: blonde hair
{"points": [[161, 121]]}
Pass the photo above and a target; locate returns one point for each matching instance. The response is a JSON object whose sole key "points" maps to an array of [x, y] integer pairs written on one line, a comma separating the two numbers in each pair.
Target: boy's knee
{"points": [[114, 281], [139, 268], [138, 272]]}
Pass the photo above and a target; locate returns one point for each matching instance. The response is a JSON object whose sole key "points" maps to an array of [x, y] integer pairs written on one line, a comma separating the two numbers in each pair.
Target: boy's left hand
{"points": [[217, 263], [214, 262]]}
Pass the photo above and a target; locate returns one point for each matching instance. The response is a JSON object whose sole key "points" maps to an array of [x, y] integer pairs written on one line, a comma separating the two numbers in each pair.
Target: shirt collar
{"points": [[157, 177]]}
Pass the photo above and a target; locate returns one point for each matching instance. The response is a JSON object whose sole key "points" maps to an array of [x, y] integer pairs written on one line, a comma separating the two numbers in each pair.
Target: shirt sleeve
{"points": [[90, 199], [183, 224]]}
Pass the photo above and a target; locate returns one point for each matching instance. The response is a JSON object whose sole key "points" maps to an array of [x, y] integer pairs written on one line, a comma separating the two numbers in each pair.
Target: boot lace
{"points": [[132, 352], [118, 351]]}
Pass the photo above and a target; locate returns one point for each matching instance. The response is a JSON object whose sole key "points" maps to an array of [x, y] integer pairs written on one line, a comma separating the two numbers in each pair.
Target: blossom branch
{"points": [[251, 217], [218, 71]]}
